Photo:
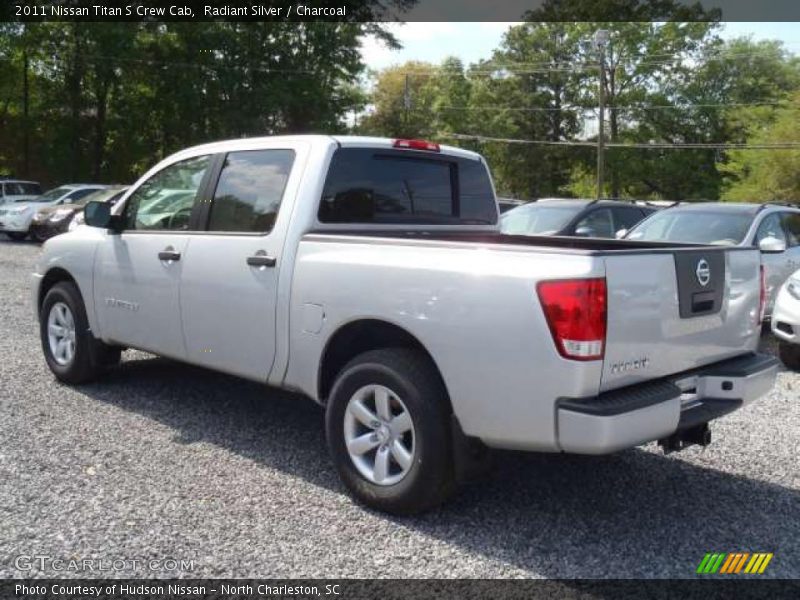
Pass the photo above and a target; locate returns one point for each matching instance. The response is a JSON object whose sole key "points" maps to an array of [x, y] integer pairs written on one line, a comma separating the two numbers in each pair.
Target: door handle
{"points": [[169, 255], [261, 260]]}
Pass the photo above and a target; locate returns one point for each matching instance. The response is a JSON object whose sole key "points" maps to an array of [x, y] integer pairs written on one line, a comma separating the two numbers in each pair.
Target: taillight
{"points": [[417, 145], [575, 310], [762, 299]]}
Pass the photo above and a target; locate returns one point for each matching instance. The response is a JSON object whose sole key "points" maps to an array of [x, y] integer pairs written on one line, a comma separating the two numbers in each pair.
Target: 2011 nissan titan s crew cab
{"points": [[370, 275]]}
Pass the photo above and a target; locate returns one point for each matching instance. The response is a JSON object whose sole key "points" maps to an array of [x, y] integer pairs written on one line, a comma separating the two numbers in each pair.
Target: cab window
{"points": [[165, 201]]}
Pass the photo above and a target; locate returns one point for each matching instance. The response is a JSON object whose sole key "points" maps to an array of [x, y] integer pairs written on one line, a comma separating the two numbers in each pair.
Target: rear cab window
{"points": [[391, 187]]}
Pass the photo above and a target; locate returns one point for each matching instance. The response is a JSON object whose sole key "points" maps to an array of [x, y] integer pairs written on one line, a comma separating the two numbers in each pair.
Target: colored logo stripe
{"points": [[734, 562]]}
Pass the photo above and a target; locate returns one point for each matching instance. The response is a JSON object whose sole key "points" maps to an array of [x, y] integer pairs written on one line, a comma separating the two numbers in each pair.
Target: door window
{"points": [[626, 217], [250, 190], [791, 223], [771, 226], [597, 224], [165, 201]]}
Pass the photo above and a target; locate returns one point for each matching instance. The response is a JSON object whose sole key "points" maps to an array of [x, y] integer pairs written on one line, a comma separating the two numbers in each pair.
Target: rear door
{"points": [[229, 283], [675, 309]]}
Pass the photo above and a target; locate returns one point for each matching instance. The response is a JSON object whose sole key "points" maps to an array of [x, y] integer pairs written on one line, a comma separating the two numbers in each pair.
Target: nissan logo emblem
{"points": [[703, 272]]}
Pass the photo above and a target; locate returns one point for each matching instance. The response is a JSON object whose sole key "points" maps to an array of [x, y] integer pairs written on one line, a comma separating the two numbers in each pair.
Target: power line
{"points": [[653, 145], [620, 108]]}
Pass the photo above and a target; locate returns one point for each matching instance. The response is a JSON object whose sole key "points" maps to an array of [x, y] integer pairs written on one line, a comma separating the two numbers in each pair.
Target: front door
{"points": [[229, 283], [138, 271]]}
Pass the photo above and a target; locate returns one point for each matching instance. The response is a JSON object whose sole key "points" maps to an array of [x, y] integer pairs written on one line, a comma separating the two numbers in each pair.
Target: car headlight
{"points": [[19, 211], [793, 287], [61, 214]]}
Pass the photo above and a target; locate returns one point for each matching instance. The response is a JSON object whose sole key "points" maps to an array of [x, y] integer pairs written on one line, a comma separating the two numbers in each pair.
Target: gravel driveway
{"points": [[165, 461]]}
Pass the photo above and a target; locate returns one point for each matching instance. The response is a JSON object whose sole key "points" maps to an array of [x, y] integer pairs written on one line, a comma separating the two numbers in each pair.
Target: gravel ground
{"points": [[162, 460]]}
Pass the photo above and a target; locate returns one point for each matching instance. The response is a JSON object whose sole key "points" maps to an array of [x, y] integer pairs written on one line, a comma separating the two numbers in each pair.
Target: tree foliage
{"points": [[106, 100]]}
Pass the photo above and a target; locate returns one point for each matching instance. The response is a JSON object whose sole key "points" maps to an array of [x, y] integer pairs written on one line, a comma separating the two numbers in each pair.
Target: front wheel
{"points": [[70, 349], [387, 425], [790, 355]]}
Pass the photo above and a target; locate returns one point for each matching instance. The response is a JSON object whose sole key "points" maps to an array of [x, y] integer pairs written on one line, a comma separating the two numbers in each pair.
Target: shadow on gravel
{"points": [[632, 514]]}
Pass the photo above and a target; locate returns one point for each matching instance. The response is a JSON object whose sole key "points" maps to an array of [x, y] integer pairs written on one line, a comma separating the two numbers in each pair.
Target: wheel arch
{"points": [[359, 336], [53, 276]]}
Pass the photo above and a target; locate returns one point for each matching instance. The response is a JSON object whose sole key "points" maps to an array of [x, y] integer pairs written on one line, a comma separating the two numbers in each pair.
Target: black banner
{"points": [[398, 10], [388, 589]]}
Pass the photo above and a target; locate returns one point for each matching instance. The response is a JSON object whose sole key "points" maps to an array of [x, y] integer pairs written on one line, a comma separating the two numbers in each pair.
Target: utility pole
{"points": [[26, 137], [600, 41], [406, 105]]}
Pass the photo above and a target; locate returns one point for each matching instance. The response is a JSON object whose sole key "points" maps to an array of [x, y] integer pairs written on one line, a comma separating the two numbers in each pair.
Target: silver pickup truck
{"points": [[370, 275]]}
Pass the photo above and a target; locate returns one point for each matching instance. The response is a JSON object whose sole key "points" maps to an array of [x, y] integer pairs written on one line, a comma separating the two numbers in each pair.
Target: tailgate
{"points": [[674, 310]]}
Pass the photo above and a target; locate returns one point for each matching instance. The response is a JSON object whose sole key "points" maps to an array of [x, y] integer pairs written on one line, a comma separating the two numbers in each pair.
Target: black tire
{"points": [[17, 236], [91, 356], [410, 375], [790, 355]]}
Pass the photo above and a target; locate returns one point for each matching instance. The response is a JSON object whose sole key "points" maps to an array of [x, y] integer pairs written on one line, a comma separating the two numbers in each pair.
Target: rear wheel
{"points": [[17, 236], [387, 426], [71, 351], [790, 355]]}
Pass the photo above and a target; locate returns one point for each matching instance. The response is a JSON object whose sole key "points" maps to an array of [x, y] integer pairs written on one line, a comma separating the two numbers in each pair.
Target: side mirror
{"points": [[621, 233], [772, 245], [98, 214], [585, 231]]}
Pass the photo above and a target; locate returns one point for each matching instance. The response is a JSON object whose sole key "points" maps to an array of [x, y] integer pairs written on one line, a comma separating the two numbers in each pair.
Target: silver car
{"points": [[774, 228]]}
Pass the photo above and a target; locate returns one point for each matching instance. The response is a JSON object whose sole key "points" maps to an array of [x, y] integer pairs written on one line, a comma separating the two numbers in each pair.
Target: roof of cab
{"points": [[351, 141]]}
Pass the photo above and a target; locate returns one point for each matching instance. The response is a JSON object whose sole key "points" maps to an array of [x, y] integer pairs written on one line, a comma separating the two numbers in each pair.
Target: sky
{"points": [[471, 42]]}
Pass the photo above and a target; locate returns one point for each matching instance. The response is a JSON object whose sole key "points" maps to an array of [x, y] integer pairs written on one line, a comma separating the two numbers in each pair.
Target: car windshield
{"points": [[99, 196], [693, 226], [534, 219], [51, 195]]}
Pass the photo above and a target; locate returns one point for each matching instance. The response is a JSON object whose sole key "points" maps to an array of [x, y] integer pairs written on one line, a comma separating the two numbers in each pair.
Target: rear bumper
{"points": [[655, 410]]}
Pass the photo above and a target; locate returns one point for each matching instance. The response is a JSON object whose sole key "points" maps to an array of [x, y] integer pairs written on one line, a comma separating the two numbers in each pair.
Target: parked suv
{"points": [[774, 228], [574, 217], [16, 219], [15, 190]]}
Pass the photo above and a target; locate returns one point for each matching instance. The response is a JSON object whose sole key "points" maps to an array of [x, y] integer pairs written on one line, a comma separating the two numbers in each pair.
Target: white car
{"points": [[786, 322], [16, 218], [16, 190]]}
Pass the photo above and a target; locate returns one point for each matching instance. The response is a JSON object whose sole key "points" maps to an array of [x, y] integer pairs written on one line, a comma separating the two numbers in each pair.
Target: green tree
{"points": [[403, 101], [766, 174]]}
